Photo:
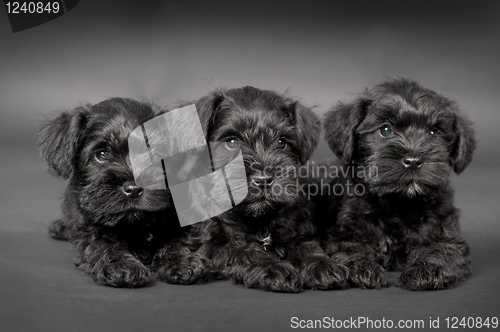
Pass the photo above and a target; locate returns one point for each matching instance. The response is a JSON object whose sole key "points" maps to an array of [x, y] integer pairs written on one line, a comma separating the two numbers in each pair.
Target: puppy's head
{"points": [[90, 144], [275, 134], [409, 137]]}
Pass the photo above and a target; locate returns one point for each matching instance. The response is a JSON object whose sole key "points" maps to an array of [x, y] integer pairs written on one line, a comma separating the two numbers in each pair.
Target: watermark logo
{"points": [[170, 151], [28, 14], [310, 180]]}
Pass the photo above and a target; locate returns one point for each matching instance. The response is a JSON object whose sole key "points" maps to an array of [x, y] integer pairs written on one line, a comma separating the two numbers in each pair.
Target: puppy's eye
{"points": [[433, 132], [386, 130], [102, 156], [232, 143], [281, 144]]}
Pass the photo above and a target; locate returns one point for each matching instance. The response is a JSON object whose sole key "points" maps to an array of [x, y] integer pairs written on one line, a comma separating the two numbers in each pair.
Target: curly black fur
{"points": [[404, 140], [275, 134], [114, 226]]}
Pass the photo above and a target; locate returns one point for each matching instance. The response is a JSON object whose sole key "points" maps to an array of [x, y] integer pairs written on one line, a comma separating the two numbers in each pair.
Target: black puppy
{"points": [[398, 143], [114, 226], [267, 241]]}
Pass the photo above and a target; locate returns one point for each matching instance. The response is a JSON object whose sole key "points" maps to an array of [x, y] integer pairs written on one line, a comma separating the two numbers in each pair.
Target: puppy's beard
{"points": [[106, 203], [388, 176], [414, 189], [267, 200], [258, 202], [127, 217], [258, 208]]}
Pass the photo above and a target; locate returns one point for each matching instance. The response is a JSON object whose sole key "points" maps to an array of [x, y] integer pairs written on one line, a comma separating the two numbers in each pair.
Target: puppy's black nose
{"points": [[262, 180], [132, 190], [412, 162]]}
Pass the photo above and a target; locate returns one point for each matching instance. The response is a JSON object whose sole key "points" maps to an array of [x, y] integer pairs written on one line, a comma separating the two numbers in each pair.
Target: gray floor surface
{"points": [[41, 290]]}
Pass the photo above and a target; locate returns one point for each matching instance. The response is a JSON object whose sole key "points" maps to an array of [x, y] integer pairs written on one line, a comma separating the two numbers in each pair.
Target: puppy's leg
{"points": [[176, 264], [436, 266], [58, 230], [361, 259], [255, 267], [110, 263], [317, 270]]}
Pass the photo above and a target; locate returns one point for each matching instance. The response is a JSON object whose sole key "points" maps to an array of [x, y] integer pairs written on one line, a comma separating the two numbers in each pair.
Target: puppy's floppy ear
{"points": [[206, 106], [308, 128], [340, 126], [58, 140], [465, 142]]}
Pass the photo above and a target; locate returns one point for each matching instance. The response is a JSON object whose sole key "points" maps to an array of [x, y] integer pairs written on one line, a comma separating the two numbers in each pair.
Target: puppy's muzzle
{"points": [[132, 190], [412, 162], [262, 181]]}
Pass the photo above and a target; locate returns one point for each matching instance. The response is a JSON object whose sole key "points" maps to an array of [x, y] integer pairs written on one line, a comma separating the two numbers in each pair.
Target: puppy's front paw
{"points": [[121, 273], [190, 269], [324, 273], [276, 276], [368, 274], [422, 277], [58, 230]]}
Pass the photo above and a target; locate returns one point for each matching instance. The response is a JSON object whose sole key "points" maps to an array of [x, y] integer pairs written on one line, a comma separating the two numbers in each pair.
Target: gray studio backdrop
{"points": [[166, 50], [323, 51]]}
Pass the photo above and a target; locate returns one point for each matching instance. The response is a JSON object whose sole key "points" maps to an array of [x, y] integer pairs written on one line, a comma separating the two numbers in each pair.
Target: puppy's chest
{"points": [[400, 232]]}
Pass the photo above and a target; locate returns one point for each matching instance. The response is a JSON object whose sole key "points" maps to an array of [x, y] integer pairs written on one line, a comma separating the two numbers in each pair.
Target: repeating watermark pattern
{"points": [[171, 152]]}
